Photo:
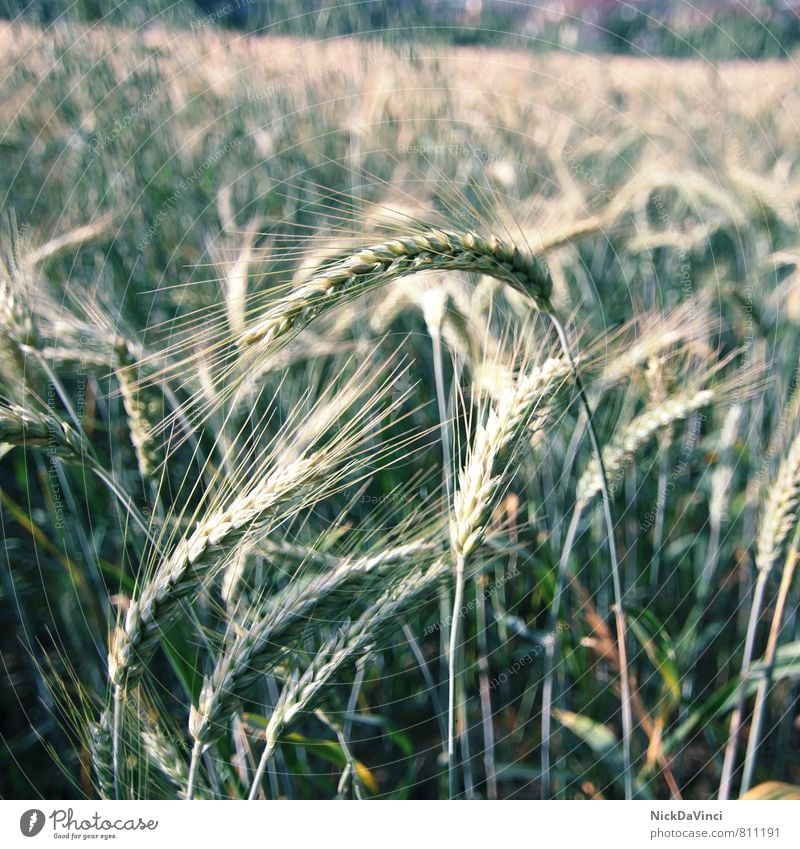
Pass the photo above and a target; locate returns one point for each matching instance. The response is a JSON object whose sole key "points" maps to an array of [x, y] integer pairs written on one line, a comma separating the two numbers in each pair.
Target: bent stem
{"points": [[619, 612]]}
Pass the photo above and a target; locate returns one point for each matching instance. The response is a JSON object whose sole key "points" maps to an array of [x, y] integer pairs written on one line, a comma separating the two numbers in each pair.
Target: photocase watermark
{"points": [[99, 142], [569, 155], [526, 659], [288, 81], [65, 825], [185, 184], [486, 157], [470, 605], [32, 822]]}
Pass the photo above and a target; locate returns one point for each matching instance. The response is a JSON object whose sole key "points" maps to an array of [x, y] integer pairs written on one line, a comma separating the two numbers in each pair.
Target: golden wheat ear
{"points": [[376, 265]]}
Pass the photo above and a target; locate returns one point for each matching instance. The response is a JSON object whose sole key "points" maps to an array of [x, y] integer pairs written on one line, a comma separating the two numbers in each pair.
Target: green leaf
{"points": [[604, 743], [786, 666], [657, 644]]}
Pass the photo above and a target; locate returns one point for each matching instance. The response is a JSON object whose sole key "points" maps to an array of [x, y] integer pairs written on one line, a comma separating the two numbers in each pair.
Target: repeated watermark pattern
{"points": [[470, 605], [526, 659], [101, 141], [289, 81], [183, 187], [570, 158], [460, 149]]}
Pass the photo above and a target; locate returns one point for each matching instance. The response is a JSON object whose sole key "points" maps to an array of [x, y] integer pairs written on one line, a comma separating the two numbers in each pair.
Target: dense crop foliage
{"points": [[300, 496]]}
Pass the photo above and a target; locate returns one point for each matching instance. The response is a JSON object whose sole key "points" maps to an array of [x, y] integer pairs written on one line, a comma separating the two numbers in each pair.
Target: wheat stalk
{"points": [[780, 517], [603, 466], [443, 250], [768, 661]]}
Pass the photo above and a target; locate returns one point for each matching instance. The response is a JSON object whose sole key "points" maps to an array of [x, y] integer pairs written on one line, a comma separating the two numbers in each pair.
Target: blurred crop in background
{"points": [[243, 448]]}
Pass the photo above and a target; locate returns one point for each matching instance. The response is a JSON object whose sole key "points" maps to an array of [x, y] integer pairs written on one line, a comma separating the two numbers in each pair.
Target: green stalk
{"points": [[619, 613]]}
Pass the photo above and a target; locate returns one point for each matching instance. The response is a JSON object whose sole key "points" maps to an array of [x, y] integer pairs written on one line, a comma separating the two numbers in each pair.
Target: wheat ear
{"points": [[780, 509], [480, 484], [141, 406], [371, 267], [101, 754], [780, 517], [480, 481], [24, 427], [638, 433], [357, 638], [256, 644], [162, 751], [445, 250], [214, 539]]}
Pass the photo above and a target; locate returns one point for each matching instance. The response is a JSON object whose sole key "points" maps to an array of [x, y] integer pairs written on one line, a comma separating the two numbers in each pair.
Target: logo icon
{"points": [[31, 822]]}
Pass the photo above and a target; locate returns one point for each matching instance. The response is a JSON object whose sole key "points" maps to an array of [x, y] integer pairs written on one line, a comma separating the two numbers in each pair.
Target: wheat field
{"points": [[385, 420]]}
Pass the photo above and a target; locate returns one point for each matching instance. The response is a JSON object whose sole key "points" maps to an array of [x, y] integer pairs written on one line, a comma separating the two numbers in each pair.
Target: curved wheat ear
{"points": [[368, 268], [247, 657], [622, 450], [357, 638], [480, 481], [780, 509]]}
